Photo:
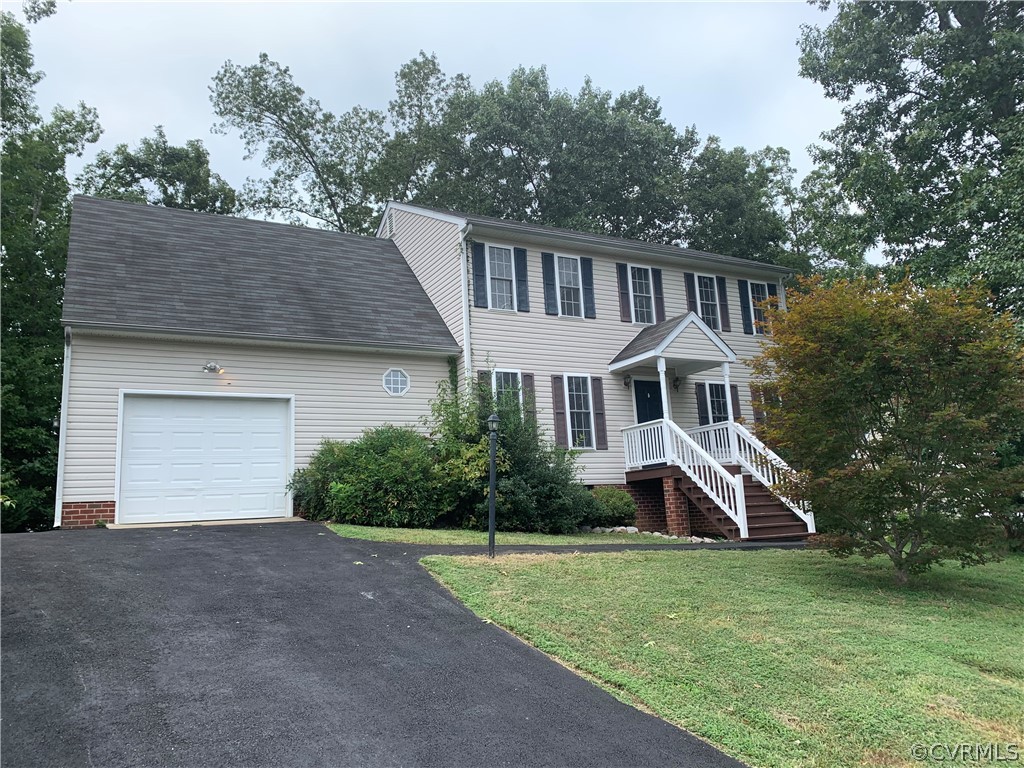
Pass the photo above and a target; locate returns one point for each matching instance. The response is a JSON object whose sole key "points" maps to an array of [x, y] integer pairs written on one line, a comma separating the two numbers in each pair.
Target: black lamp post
{"points": [[492, 428]]}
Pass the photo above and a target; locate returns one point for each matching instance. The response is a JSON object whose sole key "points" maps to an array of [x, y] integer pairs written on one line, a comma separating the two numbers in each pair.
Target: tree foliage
{"points": [[35, 210], [896, 404], [159, 174], [516, 149], [930, 147]]}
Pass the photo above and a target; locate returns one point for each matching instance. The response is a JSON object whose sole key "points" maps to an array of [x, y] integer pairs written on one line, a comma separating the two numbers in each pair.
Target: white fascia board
{"points": [[658, 351]]}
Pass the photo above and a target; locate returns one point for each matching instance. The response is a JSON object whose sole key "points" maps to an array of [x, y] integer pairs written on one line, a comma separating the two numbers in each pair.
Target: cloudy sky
{"points": [[730, 68]]}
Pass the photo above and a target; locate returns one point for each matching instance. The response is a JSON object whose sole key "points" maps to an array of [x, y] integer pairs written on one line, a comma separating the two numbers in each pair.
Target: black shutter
{"points": [[529, 397], [659, 296], [691, 292], [587, 281], [734, 392], [625, 311], [756, 401], [748, 317], [558, 403], [547, 268], [723, 304], [522, 281], [600, 419], [479, 276], [703, 417]]}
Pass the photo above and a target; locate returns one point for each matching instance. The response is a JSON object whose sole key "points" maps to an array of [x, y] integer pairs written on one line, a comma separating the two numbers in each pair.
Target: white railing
{"points": [[768, 468], [663, 442], [645, 444], [714, 439]]}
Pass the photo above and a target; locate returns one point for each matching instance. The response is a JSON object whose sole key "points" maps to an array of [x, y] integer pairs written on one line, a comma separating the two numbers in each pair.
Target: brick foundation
{"points": [[677, 513], [650, 504], [84, 514]]}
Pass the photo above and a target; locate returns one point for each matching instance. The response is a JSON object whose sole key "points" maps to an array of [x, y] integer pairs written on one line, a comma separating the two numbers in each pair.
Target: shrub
{"points": [[387, 478], [614, 507], [311, 487]]}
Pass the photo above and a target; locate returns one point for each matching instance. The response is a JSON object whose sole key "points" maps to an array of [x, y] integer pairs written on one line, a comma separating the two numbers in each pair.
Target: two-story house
{"points": [[207, 356]]}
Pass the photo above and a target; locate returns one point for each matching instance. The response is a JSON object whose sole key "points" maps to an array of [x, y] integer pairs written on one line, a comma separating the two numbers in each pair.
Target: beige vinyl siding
{"points": [[337, 394], [433, 250], [547, 345]]}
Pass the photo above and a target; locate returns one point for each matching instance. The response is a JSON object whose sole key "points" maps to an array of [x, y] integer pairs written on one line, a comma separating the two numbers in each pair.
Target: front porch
{"points": [[716, 477]]}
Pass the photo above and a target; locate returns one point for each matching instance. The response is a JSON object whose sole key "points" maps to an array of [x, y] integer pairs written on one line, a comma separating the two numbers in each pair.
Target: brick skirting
{"points": [[650, 504], [85, 514]]}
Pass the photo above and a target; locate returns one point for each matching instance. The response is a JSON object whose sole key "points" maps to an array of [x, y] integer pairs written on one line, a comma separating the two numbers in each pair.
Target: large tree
{"points": [[897, 405], [35, 210], [931, 142], [159, 173]]}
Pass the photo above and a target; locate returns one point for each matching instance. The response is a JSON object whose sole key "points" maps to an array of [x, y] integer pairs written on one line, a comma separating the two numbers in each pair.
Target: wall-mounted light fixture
{"points": [[676, 382], [627, 380], [212, 367]]}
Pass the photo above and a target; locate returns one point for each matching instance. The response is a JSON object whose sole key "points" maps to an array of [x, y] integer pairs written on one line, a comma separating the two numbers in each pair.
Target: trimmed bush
{"points": [[388, 479], [614, 507]]}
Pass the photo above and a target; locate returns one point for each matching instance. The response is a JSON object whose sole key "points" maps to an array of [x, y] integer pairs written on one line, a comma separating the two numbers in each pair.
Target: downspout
{"points": [[467, 341], [62, 434]]}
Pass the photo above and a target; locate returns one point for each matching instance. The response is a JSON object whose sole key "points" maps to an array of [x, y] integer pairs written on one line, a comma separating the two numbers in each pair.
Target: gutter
{"points": [[62, 434], [467, 341]]}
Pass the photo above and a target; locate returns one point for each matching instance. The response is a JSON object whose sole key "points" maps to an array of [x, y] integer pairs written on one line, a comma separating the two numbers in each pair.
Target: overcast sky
{"points": [[731, 69]]}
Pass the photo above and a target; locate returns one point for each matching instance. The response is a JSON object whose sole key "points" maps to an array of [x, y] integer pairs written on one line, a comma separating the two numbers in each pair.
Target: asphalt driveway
{"points": [[271, 645]]}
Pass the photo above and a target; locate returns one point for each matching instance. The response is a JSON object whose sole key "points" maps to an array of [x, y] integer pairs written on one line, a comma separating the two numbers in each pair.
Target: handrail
{"points": [[644, 444], [768, 468], [723, 488], [715, 439]]}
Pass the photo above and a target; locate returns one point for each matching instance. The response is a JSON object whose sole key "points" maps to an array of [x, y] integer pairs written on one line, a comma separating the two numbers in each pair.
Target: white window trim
{"points": [[384, 382], [558, 286], [487, 271], [758, 330], [632, 302], [707, 399], [718, 303], [568, 411], [494, 381]]}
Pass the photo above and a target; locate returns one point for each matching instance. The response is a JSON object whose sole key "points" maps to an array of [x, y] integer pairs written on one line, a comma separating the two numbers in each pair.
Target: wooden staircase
{"points": [[768, 519]]}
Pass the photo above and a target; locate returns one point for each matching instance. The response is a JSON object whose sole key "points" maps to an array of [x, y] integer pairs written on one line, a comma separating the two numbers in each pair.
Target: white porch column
{"points": [[666, 411], [734, 449]]}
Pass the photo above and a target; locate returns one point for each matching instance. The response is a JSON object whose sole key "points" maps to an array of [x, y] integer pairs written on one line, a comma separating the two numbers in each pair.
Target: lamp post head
{"points": [[492, 423]]}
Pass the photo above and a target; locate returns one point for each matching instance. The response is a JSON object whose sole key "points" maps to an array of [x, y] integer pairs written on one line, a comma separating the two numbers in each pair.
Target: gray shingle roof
{"points": [[145, 267], [606, 241], [649, 338]]}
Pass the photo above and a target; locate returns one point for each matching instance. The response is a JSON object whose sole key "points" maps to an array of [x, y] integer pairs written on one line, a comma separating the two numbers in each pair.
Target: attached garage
{"points": [[185, 457]]}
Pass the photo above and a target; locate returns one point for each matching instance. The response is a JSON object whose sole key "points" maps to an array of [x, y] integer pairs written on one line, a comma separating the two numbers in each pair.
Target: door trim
{"points": [[289, 452]]}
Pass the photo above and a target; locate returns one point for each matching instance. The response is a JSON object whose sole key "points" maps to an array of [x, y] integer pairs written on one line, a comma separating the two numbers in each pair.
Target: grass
{"points": [[458, 536], [780, 658]]}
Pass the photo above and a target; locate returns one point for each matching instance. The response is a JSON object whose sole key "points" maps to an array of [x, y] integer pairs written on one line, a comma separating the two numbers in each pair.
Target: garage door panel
{"points": [[203, 458]]}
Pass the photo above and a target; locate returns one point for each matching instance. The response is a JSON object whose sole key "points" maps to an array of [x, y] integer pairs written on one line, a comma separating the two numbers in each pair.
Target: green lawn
{"points": [[449, 536], [780, 658]]}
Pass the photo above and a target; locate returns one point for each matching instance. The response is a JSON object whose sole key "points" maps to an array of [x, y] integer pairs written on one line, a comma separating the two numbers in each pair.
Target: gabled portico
{"points": [[714, 466]]}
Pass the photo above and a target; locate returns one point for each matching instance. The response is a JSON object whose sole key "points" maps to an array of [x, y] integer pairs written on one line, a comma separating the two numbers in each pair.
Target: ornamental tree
{"points": [[894, 404]]}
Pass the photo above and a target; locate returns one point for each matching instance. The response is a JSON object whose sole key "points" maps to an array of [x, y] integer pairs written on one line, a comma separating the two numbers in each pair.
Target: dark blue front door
{"points": [[648, 401]]}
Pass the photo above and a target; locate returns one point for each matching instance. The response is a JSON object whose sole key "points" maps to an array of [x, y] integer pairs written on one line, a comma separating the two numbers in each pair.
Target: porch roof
{"points": [[684, 338]]}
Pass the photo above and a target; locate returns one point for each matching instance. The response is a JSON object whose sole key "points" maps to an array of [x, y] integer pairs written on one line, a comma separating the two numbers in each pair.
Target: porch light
{"points": [[676, 382], [212, 367], [627, 380]]}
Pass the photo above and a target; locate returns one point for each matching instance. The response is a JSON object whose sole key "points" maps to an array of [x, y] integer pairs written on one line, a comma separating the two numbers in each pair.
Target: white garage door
{"points": [[203, 458]]}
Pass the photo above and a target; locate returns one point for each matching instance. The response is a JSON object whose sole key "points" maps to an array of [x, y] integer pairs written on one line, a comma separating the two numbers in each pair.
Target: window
{"points": [[642, 292], [570, 296], [579, 411], [396, 382], [707, 301], [718, 406], [758, 295], [505, 383], [501, 272]]}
